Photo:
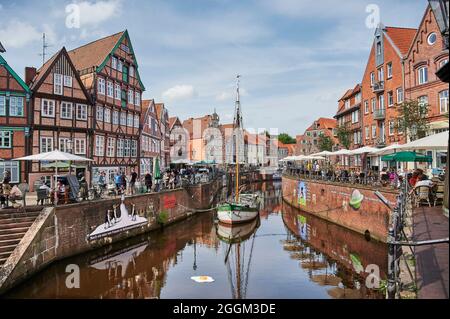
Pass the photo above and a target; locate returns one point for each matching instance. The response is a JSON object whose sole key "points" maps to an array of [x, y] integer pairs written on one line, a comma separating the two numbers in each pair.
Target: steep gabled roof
{"points": [[96, 54], [14, 74], [93, 54], [401, 38], [174, 120], [45, 69]]}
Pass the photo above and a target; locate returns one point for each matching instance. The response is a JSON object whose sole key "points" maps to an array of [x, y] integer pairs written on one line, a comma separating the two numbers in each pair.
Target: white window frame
{"points": [[133, 151], [366, 107], [65, 107], [391, 128], [119, 65], [126, 148], [422, 75], [2, 105], [6, 136], [136, 121], [374, 131], [367, 131], [123, 118], [390, 98], [63, 144], [58, 84], [131, 71], [381, 74], [400, 95], [443, 101], [130, 97], [99, 113], [82, 112], [101, 86], [15, 106], [130, 120], [373, 104], [137, 98], [120, 146], [99, 145], [110, 89], [114, 62], [80, 146], [117, 92], [13, 167], [68, 81], [110, 147], [50, 110], [372, 78], [389, 70], [115, 117], [381, 103], [107, 115], [46, 141]]}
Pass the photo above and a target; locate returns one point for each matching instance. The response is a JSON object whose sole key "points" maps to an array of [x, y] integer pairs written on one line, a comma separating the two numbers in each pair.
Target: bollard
{"points": [[391, 284]]}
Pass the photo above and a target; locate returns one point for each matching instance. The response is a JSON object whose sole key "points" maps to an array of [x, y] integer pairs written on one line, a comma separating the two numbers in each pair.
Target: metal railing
{"points": [[397, 239]]}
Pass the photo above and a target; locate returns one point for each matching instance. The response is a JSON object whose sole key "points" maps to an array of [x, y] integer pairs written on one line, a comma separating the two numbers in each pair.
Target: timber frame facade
{"points": [[14, 119], [61, 116], [109, 71]]}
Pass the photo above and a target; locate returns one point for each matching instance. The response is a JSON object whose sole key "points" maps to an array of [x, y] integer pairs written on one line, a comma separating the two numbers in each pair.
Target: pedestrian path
{"points": [[432, 270]]}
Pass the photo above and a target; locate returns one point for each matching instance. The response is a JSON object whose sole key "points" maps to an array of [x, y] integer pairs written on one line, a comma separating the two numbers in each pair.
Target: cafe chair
{"points": [[439, 194], [422, 195]]}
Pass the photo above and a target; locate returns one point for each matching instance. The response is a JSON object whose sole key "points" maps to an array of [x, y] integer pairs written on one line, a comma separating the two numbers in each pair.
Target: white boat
{"points": [[244, 208]]}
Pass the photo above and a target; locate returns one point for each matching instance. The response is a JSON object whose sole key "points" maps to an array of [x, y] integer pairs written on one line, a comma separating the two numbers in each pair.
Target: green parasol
{"points": [[407, 157], [157, 170]]}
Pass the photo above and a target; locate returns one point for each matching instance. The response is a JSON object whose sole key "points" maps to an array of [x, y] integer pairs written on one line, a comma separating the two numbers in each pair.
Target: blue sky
{"points": [[296, 57]]}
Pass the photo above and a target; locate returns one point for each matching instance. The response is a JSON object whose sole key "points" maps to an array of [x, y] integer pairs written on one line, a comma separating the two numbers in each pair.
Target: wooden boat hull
{"points": [[236, 214]]}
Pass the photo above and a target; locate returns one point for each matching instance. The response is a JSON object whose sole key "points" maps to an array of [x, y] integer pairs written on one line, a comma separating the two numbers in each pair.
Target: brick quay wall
{"points": [[332, 202], [65, 231]]}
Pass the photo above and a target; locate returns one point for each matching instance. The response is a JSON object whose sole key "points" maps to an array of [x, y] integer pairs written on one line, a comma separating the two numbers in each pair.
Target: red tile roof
{"points": [[93, 54], [402, 37]]}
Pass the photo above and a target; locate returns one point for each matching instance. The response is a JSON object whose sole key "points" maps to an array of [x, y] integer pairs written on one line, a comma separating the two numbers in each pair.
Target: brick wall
{"points": [[330, 201]]}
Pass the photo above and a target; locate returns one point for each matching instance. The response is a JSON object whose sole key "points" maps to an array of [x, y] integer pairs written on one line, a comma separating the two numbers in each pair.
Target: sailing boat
{"points": [[237, 258], [244, 208]]}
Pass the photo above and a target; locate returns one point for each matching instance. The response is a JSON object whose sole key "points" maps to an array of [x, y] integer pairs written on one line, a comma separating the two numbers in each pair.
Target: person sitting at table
{"points": [[424, 181], [15, 194], [2, 197]]}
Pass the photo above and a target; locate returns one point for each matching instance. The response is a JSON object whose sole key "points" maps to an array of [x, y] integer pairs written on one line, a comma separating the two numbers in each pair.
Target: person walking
{"points": [[148, 182], [133, 182], [117, 180], [123, 182]]}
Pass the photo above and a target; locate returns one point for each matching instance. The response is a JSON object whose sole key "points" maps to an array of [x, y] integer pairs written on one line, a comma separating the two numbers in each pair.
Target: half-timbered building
{"points": [[62, 115], [14, 117], [163, 120], [150, 137], [109, 70]]}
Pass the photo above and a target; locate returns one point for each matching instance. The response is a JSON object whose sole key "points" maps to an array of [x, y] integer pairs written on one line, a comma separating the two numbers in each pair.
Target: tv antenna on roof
{"points": [[45, 45]]}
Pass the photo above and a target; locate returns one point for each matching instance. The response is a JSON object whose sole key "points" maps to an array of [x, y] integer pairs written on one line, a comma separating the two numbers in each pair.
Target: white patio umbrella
{"points": [[324, 153], [54, 156], [341, 152], [363, 150], [313, 157], [387, 150], [433, 142]]}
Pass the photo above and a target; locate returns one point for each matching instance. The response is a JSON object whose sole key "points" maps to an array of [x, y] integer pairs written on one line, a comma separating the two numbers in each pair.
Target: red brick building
{"points": [[308, 143], [162, 115], [62, 115], [425, 57], [14, 122], [383, 86], [109, 70], [349, 115]]}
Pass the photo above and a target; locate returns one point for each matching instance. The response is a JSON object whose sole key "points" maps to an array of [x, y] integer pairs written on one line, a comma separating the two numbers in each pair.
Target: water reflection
{"points": [[284, 254]]}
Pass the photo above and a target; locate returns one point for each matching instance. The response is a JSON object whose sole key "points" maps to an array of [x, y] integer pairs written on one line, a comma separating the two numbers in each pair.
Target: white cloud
{"points": [[180, 92], [95, 13], [18, 34], [230, 95]]}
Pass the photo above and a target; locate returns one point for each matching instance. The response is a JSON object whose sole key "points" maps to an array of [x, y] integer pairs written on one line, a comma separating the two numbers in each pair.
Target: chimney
{"points": [[30, 73]]}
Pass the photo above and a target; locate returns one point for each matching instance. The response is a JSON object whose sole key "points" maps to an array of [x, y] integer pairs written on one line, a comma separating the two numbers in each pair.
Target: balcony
{"points": [[378, 87], [380, 142], [379, 114]]}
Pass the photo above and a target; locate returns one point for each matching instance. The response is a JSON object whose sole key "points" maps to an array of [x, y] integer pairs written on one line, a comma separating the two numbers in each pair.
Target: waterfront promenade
{"points": [[431, 261]]}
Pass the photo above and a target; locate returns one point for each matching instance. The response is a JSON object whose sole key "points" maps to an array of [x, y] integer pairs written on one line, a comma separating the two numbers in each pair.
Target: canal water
{"points": [[286, 253]]}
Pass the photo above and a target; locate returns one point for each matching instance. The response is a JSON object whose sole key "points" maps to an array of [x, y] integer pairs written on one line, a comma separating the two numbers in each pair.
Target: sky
{"points": [[296, 57]]}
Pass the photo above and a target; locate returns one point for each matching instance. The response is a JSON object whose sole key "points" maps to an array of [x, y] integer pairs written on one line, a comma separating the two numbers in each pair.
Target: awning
{"points": [[432, 142]]}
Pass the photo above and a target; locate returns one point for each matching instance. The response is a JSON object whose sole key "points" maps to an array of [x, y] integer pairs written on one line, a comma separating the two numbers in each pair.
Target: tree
{"points": [[344, 136], [286, 139], [412, 119], [325, 143]]}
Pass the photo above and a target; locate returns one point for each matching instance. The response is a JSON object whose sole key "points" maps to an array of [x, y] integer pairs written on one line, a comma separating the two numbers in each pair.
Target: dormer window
{"points": [[379, 48]]}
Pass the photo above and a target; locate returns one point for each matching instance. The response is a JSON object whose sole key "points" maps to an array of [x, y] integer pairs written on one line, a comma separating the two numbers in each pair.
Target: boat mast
{"points": [[237, 129]]}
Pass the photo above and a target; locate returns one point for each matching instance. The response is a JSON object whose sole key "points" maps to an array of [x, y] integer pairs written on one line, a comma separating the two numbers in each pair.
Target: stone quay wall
{"points": [[332, 202], [65, 231]]}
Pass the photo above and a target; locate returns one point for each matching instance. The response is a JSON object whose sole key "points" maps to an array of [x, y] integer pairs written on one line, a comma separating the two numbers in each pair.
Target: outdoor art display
{"points": [[118, 221], [302, 191], [356, 199]]}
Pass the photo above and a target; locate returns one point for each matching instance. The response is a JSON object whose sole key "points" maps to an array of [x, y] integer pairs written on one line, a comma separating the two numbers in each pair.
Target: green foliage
{"points": [[325, 143], [286, 138], [344, 136], [412, 119], [163, 217]]}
